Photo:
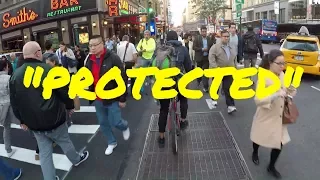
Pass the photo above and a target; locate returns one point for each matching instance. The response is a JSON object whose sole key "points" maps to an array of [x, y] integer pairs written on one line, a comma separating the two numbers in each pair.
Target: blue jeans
{"points": [[142, 62], [108, 117], [6, 171]]}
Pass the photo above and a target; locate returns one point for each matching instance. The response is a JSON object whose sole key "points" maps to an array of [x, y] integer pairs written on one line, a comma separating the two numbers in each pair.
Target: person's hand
{"points": [[70, 112], [292, 91], [24, 127], [282, 93], [122, 104], [205, 49]]}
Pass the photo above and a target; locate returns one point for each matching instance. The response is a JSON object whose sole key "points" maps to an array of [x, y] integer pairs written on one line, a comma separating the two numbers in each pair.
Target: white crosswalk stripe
{"points": [[61, 162]]}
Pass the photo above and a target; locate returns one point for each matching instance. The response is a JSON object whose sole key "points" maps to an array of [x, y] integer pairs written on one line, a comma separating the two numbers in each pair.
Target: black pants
{"points": [[203, 64], [129, 65], [273, 156], [226, 84], [164, 110]]}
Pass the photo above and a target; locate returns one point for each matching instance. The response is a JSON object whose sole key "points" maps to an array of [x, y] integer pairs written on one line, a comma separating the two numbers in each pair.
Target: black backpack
{"points": [[250, 45]]}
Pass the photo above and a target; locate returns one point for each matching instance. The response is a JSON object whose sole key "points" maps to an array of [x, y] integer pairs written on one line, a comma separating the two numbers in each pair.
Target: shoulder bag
{"points": [[290, 111]]}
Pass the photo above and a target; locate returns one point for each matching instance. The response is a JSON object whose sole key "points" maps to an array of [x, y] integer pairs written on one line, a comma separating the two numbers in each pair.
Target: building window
{"points": [[299, 10], [257, 15], [316, 11], [272, 15], [264, 15], [282, 14]]}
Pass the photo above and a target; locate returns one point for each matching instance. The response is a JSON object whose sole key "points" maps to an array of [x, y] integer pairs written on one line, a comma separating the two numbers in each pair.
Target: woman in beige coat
{"points": [[267, 128]]}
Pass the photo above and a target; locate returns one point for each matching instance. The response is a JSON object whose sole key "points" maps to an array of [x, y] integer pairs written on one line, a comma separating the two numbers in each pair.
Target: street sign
{"points": [[238, 7], [239, 14], [239, 1]]}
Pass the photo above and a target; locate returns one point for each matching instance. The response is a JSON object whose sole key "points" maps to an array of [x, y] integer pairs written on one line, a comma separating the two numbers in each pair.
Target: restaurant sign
{"points": [[60, 7], [124, 7], [117, 7], [19, 16]]}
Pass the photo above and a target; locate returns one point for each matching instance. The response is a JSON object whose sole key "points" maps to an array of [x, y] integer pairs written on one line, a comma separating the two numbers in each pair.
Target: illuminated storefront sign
{"points": [[60, 7], [113, 7], [124, 7], [23, 15]]}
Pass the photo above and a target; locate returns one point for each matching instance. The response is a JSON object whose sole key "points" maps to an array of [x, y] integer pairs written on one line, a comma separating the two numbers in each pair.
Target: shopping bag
{"points": [[76, 101]]}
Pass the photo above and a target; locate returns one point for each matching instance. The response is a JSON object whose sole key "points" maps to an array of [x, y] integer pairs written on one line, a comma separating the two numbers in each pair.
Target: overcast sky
{"points": [[177, 7]]}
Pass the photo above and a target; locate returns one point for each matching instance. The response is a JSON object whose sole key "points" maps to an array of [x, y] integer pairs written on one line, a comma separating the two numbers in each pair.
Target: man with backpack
{"points": [[251, 45], [173, 54]]}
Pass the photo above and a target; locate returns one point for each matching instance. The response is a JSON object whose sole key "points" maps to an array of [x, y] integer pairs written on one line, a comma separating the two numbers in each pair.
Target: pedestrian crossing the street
{"points": [[81, 132]]}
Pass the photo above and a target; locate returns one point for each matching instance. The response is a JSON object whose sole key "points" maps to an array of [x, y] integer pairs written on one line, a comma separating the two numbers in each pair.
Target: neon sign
{"points": [[113, 7], [60, 7], [124, 6], [23, 16]]}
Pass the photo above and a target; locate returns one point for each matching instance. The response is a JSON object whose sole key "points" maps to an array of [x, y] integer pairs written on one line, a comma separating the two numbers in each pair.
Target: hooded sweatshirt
{"points": [[184, 56]]}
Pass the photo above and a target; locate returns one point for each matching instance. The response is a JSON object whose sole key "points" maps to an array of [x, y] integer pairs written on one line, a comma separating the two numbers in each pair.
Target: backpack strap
{"points": [[125, 52]]}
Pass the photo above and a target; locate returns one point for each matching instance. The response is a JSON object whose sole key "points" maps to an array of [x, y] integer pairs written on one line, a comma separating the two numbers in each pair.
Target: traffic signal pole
{"points": [[148, 15]]}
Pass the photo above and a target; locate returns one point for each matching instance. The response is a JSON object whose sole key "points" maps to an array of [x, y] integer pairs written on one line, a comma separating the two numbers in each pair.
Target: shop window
{"points": [[13, 44], [83, 36], [54, 38]]}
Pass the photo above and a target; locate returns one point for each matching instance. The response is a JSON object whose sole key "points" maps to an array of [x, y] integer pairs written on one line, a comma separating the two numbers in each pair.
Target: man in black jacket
{"points": [[45, 118], [108, 111]]}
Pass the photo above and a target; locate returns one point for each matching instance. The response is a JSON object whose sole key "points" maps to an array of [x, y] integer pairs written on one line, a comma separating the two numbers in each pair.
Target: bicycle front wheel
{"points": [[174, 133]]}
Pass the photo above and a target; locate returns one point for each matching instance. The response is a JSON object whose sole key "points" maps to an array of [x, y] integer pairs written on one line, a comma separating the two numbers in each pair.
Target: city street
{"points": [[299, 159]]}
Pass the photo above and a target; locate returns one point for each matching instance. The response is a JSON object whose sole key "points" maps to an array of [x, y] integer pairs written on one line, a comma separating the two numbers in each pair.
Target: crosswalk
{"points": [[84, 127]]}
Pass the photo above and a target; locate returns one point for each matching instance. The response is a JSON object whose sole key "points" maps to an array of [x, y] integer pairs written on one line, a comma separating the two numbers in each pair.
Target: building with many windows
{"points": [[290, 11]]}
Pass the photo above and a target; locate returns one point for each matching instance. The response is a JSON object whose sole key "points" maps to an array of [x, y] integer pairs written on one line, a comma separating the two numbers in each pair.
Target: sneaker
{"points": [[83, 157], [57, 178], [110, 148], [231, 109], [11, 153], [37, 157], [161, 142], [126, 134], [17, 174], [214, 103], [205, 90], [184, 124]]}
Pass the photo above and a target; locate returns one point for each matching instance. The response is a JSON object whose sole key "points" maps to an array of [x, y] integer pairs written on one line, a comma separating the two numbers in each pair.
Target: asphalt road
{"points": [[299, 159]]}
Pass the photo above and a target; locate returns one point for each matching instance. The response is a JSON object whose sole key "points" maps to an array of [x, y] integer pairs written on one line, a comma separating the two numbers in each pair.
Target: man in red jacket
{"points": [[108, 111]]}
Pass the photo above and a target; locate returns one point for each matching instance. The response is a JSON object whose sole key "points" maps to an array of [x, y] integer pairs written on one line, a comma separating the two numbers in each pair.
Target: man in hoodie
{"points": [[185, 63], [251, 45], [45, 118]]}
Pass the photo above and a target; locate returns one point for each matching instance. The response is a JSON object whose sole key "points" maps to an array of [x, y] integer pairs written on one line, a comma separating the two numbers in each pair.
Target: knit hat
{"points": [[172, 35]]}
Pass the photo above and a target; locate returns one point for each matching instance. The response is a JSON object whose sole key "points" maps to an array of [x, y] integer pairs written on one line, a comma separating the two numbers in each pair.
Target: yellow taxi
{"points": [[302, 49]]}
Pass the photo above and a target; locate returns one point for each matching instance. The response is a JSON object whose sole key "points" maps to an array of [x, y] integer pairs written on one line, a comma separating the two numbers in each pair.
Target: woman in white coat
{"points": [[63, 53], [267, 128]]}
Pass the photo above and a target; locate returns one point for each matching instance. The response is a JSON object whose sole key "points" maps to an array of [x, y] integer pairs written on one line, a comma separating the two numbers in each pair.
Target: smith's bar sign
{"points": [[64, 11], [60, 7]]}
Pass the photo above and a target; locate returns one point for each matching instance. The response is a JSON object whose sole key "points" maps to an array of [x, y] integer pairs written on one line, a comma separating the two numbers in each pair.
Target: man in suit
{"points": [[201, 46]]}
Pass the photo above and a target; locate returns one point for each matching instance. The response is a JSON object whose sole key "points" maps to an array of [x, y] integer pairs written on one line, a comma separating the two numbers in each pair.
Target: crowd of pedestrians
{"points": [[48, 120]]}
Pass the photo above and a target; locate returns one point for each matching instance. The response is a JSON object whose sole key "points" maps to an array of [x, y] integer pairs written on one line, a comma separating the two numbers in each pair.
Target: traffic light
{"points": [[150, 10], [151, 13]]}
